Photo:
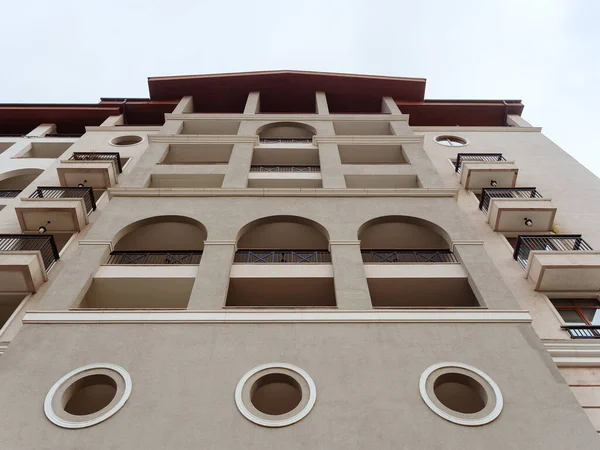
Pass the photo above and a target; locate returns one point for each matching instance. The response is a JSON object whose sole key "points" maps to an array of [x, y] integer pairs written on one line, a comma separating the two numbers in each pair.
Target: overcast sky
{"points": [[545, 52]]}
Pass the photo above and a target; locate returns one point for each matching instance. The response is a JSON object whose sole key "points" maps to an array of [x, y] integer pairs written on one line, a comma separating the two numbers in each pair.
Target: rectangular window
{"points": [[578, 311]]}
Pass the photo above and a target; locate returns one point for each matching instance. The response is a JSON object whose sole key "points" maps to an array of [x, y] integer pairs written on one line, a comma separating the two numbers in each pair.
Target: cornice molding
{"points": [[294, 192], [569, 353], [124, 128], [292, 117], [278, 316], [366, 140], [202, 139], [458, 130]]}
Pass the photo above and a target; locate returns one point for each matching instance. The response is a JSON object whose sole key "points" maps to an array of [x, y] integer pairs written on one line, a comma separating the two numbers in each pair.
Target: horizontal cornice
{"points": [[202, 139], [278, 192], [278, 316], [337, 139], [574, 353], [292, 117], [458, 130]]}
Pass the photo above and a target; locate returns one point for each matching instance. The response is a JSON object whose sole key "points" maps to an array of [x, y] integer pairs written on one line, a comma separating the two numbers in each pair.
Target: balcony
{"points": [[286, 141], [56, 209], [9, 193], [198, 154], [25, 261], [483, 170], [583, 331], [400, 274], [150, 258], [517, 209], [113, 157], [559, 263], [98, 170], [267, 274]]}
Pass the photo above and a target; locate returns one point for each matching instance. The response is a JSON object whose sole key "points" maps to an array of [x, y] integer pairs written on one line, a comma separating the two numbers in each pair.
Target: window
{"points": [[451, 141], [578, 311]]}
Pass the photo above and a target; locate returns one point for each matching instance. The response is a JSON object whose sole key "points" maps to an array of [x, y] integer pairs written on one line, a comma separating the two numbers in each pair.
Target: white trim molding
{"points": [[569, 353], [278, 316]]}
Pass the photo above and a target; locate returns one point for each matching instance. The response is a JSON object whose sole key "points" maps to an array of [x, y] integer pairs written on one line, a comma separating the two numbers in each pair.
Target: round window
{"points": [[87, 396], [122, 141], [451, 141], [275, 395], [461, 394]]}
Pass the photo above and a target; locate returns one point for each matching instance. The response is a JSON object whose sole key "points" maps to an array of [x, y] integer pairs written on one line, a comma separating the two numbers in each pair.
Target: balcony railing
{"points": [[285, 169], [31, 242], [285, 141], [487, 194], [154, 257], [55, 192], [551, 243], [408, 256], [115, 157], [282, 257], [583, 331], [482, 157], [9, 193]]}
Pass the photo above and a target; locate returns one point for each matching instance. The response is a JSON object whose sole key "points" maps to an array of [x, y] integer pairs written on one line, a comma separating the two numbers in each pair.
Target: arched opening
{"points": [[282, 261], [17, 180], [409, 263], [286, 131]]}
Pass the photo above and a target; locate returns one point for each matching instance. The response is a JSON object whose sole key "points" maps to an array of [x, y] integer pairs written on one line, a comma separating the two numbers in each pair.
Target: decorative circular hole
{"points": [[461, 394], [87, 395], [451, 141], [126, 140], [275, 395]]}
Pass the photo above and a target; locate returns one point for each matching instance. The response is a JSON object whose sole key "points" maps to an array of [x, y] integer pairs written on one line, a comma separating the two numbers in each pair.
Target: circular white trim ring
{"points": [[435, 139], [51, 415], [475, 422], [312, 396], [111, 141]]}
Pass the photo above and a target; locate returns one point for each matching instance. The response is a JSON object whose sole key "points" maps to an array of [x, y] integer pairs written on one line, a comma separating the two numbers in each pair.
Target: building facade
{"points": [[295, 260]]}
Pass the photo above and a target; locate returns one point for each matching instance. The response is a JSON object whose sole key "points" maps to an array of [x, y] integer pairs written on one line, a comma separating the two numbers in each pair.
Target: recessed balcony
{"points": [[9, 193], [98, 170], [198, 154], [483, 170], [286, 134], [382, 181], [25, 261], [559, 263], [56, 209], [262, 176], [517, 209]]}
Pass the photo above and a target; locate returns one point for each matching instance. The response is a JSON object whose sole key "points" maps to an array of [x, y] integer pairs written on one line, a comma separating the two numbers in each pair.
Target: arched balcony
{"points": [[153, 265], [285, 158], [408, 263], [282, 261], [14, 181]]}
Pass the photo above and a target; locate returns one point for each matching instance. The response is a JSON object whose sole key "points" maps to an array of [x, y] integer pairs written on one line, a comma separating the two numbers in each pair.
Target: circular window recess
{"points": [[461, 394], [87, 396], [275, 395], [451, 141], [122, 141]]}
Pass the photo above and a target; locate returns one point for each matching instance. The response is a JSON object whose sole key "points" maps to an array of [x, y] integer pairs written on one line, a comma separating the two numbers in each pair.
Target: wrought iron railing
{"points": [[31, 242], [583, 331], [115, 157], [57, 192], [286, 140], [487, 194], [9, 193], [467, 157], [408, 256], [154, 257], [285, 169], [551, 243], [282, 256], [64, 135]]}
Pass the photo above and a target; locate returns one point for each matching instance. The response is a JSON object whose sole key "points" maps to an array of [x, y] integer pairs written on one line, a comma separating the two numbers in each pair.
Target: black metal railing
{"points": [[286, 140], [408, 256], [487, 194], [9, 193], [285, 168], [64, 135], [56, 192], [467, 157], [551, 243], [154, 257], [31, 242], [115, 157], [583, 331], [282, 256]]}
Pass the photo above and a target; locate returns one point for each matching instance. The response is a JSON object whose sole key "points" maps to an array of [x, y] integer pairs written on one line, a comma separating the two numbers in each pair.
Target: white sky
{"points": [[545, 52]]}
